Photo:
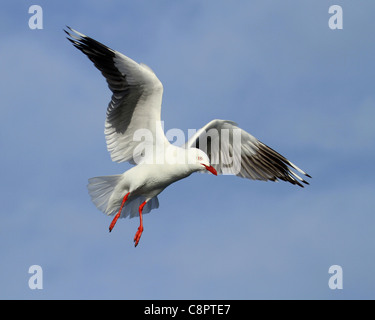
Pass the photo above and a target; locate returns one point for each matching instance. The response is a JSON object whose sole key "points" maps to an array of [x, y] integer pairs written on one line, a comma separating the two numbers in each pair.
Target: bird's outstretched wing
{"points": [[136, 99], [234, 151]]}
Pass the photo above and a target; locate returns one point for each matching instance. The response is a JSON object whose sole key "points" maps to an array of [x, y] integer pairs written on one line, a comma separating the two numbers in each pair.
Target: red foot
{"points": [[140, 228], [138, 235], [114, 221], [119, 212]]}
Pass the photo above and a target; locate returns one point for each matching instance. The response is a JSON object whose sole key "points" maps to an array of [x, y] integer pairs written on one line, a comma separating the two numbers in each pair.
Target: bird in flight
{"points": [[220, 147]]}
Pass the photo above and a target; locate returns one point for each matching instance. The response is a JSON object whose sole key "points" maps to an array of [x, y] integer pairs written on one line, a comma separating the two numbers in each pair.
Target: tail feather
{"points": [[101, 189]]}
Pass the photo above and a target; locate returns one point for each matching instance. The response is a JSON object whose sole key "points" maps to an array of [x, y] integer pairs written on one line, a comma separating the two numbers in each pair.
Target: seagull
{"points": [[220, 147]]}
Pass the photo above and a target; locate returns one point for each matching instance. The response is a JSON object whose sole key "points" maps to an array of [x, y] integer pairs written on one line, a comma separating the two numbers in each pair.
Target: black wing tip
{"points": [[83, 43], [67, 32], [74, 39], [297, 180], [282, 166], [305, 182], [298, 183], [76, 36], [71, 30]]}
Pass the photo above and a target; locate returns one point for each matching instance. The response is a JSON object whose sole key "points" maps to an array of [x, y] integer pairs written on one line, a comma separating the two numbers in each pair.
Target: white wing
{"points": [[136, 99], [234, 151]]}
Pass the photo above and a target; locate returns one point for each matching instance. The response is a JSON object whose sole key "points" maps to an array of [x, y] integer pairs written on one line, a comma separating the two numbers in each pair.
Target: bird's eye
{"points": [[199, 158]]}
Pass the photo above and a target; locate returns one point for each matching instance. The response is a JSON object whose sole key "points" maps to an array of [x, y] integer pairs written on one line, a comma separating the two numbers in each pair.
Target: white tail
{"points": [[101, 189]]}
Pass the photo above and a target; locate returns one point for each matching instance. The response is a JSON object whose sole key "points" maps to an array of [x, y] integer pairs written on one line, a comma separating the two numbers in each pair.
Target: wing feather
{"points": [[136, 99], [250, 159]]}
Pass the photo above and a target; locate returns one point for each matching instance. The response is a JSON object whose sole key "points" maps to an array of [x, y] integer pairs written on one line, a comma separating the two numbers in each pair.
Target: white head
{"points": [[200, 161]]}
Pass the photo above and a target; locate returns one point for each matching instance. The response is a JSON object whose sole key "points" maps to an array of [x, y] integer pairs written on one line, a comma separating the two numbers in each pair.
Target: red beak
{"points": [[211, 169]]}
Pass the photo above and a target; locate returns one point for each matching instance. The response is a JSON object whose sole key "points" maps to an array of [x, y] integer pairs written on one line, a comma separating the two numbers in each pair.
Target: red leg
{"points": [[140, 228], [119, 212]]}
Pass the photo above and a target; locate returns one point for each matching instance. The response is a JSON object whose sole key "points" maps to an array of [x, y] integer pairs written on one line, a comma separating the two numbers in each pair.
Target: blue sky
{"points": [[275, 67]]}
